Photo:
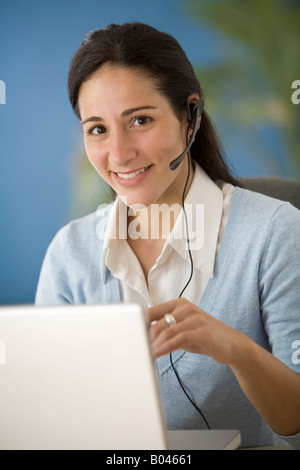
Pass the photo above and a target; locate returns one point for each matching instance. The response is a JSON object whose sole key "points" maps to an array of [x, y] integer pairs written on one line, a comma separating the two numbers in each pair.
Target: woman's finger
{"points": [[158, 312], [179, 336], [167, 314], [158, 326]]}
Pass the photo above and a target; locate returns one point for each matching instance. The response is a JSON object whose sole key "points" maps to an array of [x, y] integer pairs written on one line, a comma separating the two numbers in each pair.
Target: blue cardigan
{"points": [[255, 289]]}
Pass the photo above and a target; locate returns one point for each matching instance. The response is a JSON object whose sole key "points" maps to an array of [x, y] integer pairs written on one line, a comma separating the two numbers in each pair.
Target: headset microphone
{"points": [[194, 122]]}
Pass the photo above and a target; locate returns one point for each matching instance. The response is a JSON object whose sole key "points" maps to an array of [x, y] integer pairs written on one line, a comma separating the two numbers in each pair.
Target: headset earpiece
{"points": [[189, 111], [194, 112]]}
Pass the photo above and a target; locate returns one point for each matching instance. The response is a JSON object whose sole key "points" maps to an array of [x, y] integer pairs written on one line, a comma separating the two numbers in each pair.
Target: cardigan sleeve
{"points": [[72, 270], [280, 290], [280, 285], [54, 286]]}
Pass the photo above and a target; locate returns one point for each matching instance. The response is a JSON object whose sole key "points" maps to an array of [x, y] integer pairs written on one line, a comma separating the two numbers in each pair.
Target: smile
{"points": [[127, 176], [132, 178]]}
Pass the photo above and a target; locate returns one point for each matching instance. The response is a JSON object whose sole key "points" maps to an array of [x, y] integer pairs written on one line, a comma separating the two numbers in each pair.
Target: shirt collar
{"points": [[203, 207]]}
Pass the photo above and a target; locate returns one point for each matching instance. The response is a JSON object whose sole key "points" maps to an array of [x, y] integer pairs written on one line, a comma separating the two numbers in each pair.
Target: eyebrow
{"points": [[125, 113]]}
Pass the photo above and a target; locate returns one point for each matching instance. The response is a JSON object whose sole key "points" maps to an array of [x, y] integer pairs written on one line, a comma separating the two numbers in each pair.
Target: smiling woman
{"points": [[166, 66], [131, 147], [141, 106]]}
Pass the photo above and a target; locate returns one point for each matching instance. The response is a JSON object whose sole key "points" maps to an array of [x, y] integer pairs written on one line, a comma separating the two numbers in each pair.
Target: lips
{"points": [[132, 178], [127, 176]]}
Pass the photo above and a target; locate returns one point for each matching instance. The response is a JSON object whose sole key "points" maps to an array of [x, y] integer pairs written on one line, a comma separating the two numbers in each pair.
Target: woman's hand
{"points": [[277, 396], [194, 331]]}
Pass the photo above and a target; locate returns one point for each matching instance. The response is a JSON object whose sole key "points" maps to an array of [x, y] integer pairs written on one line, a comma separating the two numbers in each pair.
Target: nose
{"points": [[121, 150]]}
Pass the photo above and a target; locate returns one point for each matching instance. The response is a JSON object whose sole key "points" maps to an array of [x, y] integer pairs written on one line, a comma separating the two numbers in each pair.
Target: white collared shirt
{"points": [[211, 203]]}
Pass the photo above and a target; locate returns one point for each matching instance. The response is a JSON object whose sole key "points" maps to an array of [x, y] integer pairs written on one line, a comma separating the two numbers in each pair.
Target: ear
{"points": [[192, 100]]}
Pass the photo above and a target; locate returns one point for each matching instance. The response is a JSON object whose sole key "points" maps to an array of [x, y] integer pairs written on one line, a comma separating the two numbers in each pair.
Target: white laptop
{"points": [[82, 377]]}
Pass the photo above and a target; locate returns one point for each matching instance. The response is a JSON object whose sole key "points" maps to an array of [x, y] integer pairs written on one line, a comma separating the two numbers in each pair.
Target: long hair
{"points": [[160, 57]]}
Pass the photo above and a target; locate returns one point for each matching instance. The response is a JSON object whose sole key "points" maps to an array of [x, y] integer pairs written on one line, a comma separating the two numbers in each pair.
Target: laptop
{"points": [[82, 377]]}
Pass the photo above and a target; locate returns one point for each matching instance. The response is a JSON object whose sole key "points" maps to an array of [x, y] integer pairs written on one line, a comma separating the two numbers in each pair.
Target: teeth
{"points": [[129, 176]]}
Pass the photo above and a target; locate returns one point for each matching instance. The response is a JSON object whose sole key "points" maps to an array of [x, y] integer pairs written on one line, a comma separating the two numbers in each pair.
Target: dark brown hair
{"points": [[160, 57]]}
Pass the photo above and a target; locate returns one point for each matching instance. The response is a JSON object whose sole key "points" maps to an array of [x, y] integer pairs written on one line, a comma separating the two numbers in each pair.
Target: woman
{"points": [[224, 303]]}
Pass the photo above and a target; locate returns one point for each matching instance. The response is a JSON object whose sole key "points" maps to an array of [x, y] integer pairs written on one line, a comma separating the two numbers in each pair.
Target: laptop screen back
{"points": [[78, 377]]}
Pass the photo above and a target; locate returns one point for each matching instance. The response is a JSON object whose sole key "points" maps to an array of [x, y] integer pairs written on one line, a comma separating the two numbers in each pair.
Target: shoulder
{"points": [[260, 209], [86, 231], [72, 265], [87, 226], [264, 224]]}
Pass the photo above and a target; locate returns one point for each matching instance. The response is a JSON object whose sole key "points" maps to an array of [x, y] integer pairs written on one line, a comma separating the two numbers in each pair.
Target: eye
{"points": [[141, 120], [97, 130]]}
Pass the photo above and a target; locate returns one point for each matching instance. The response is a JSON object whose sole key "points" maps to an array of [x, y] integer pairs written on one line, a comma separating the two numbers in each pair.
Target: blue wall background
{"points": [[39, 134]]}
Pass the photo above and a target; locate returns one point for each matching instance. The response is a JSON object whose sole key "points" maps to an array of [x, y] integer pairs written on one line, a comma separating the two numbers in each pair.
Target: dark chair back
{"points": [[280, 188]]}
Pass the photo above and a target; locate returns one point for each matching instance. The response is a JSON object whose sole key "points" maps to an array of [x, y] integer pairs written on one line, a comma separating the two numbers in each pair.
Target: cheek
{"points": [[96, 155], [171, 145], [165, 145]]}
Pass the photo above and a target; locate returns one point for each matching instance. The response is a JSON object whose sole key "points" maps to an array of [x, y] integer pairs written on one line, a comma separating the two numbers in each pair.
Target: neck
{"points": [[157, 221]]}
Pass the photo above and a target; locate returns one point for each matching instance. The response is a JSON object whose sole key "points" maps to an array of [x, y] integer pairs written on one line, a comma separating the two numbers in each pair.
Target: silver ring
{"points": [[170, 319]]}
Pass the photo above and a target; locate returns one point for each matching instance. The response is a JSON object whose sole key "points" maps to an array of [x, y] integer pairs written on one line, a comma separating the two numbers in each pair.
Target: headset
{"points": [[194, 113], [194, 118]]}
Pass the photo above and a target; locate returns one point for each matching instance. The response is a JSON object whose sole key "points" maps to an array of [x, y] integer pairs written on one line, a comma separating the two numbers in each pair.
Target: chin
{"points": [[136, 202]]}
